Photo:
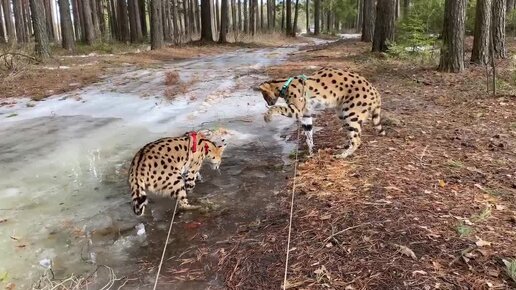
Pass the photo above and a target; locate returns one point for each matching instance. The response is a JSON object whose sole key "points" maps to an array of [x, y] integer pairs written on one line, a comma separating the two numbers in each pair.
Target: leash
{"points": [[173, 217], [293, 193], [166, 243]]}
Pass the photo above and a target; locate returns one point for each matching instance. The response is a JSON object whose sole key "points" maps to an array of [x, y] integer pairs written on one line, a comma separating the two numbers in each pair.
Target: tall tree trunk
{"points": [[360, 14], [328, 21], [123, 21], [296, 16], [223, 21], [48, 18], [317, 16], [9, 23], [288, 17], [240, 24], [217, 16], [27, 19], [452, 51], [143, 18], [480, 53], [2, 32], [95, 17], [191, 11], [134, 21], [188, 24], [234, 17], [67, 40], [165, 15], [307, 12], [88, 22], [113, 20], [384, 26], [156, 24], [252, 17], [175, 22], [246, 16], [510, 6], [261, 16], [369, 19], [499, 28], [77, 20], [102, 19], [40, 29], [19, 20], [206, 29]]}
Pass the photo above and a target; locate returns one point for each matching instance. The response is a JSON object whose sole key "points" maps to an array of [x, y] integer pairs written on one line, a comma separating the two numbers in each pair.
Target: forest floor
{"points": [[432, 205], [20, 76]]}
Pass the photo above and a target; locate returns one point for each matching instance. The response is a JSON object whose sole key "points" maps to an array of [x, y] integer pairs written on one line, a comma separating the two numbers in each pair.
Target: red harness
{"points": [[193, 134]]}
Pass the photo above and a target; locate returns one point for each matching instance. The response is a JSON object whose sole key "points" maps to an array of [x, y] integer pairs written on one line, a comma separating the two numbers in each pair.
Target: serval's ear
{"points": [[205, 133], [266, 87]]}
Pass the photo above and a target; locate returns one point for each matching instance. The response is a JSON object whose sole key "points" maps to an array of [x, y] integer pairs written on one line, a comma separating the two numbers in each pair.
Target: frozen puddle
{"points": [[64, 198]]}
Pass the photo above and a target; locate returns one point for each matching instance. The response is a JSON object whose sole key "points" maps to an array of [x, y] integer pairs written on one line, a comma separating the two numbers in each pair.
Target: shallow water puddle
{"points": [[65, 201]]}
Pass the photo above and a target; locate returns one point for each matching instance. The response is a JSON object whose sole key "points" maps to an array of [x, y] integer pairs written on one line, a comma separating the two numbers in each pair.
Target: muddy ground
{"points": [[432, 205]]}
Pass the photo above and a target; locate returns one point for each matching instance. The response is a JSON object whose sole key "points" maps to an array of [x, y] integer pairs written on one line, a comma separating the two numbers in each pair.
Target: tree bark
{"points": [[360, 14], [234, 17], [296, 16], [77, 20], [40, 29], [499, 28], [369, 19], [156, 24], [307, 12], [134, 21], [384, 25], [21, 34], [245, 13], [67, 40], [2, 32], [95, 17], [510, 6], [480, 53], [143, 18], [223, 21], [112, 19], [252, 17], [191, 13], [48, 18], [123, 21], [102, 19], [317, 16], [88, 22], [239, 13], [261, 16], [288, 17], [9, 24], [165, 24], [206, 29], [175, 23], [452, 51]]}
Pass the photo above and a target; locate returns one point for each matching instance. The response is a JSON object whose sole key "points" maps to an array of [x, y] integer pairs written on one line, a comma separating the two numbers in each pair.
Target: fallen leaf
{"points": [[482, 243], [442, 183], [420, 272], [406, 251]]}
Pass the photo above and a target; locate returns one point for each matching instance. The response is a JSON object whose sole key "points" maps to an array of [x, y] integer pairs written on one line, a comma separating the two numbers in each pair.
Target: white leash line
{"points": [[170, 227], [166, 243], [293, 195]]}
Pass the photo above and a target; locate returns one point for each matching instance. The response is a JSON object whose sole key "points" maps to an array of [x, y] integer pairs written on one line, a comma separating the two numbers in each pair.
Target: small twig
{"points": [[342, 231], [423, 154], [462, 253]]}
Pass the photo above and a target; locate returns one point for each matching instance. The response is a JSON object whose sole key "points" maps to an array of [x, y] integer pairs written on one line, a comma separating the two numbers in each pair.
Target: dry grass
{"points": [[48, 282]]}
